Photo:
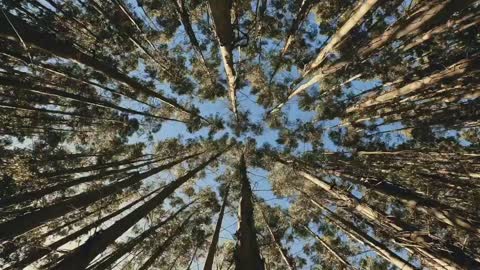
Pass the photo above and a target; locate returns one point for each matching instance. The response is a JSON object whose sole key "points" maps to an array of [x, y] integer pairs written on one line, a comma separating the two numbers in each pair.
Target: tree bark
{"points": [[109, 260], [337, 255], [80, 257], [22, 224], [40, 252], [361, 10], [49, 91], [216, 235], [364, 238], [440, 258], [65, 49], [453, 71], [289, 262], [162, 247], [430, 14], [223, 28], [247, 253], [36, 194]]}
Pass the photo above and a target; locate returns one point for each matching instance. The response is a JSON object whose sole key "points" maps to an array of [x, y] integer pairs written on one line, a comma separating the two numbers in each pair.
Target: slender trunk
{"points": [[455, 25], [437, 257], [73, 77], [184, 18], [7, 251], [216, 235], [193, 258], [36, 194], [40, 252], [364, 238], [47, 90], [337, 255], [449, 215], [96, 167], [22, 224], [305, 7], [433, 12], [223, 28], [65, 49], [163, 246], [361, 10], [453, 71], [444, 213], [80, 257], [109, 260], [289, 262], [247, 252], [425, 16], [20, 107]]}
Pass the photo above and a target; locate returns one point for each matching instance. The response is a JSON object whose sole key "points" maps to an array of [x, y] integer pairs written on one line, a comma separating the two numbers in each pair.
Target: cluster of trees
{"points": [[346, 134]]}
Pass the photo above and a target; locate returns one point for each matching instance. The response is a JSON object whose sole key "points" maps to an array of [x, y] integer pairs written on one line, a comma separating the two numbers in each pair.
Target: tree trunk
{"points": [[247, 253], [444, 213], [305, 7], [337, 255], [46, 90], [362, 8], [22, 224], [453, 71], [163, 246], [364, 238], [65, 49], [426, 15], [36, 194], [109, 260], [40, 252], [438, 257], [223, 28], [216, 235], [432, 13], [289, 262], [84, 254]]}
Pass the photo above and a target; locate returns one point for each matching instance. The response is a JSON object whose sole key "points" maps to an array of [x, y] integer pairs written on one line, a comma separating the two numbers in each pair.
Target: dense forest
{"points": [[242, 135]]}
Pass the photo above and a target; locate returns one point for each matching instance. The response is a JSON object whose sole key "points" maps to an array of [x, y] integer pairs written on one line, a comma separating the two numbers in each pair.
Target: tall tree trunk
{"points": [[47, 90], [158, 251], [247, 252], [36, 194], [38, 253], [223, 28], [456, 25], [109, 260], [22, 224], [453, 71], [437, 257], [361, 10], [80, 257], [289, 261], [364, 238], [429, 14], [305, 7], [444, 213], [337, 255], [72, 77], [184, 17], [19, 107], [97, 167], [216, 235], [65, 49]]}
